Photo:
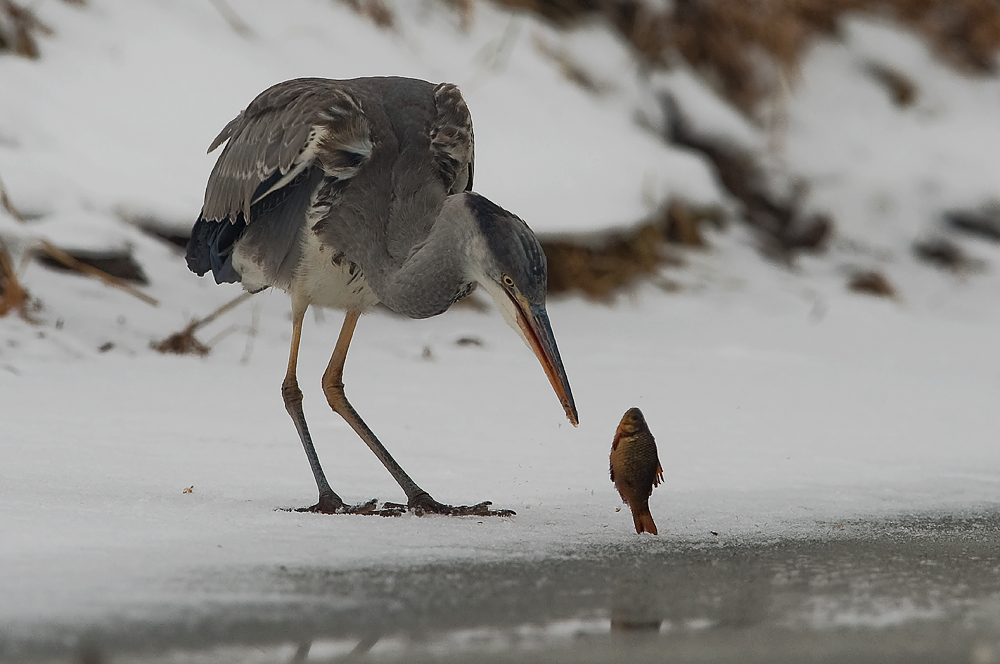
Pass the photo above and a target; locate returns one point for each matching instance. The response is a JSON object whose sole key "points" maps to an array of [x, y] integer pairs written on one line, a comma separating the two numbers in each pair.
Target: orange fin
{"points": [[644, 520]]}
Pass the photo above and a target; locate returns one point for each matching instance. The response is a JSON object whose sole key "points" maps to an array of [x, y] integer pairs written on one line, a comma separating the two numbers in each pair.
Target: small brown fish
{"points": [[635, 467]]}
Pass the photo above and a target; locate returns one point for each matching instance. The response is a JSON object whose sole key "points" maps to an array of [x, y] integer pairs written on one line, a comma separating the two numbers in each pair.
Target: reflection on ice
{"points": [[926, 585]]}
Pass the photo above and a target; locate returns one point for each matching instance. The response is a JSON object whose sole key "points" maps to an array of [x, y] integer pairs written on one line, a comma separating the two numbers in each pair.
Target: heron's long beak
{"points": [[534, 323]]}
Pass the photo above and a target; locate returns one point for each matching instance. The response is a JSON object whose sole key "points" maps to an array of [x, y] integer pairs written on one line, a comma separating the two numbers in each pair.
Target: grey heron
{"points": [[347, 193]]}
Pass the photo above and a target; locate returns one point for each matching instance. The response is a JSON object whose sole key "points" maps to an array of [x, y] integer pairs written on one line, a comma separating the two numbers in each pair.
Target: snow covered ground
{"points": [[781, 402]]}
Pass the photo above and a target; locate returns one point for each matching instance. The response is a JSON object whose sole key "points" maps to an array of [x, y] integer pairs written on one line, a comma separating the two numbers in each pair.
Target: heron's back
{"points": [[326, 176]]}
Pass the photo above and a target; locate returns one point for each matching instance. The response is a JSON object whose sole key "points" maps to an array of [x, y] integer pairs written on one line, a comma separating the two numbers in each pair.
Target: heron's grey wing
{"points": [[452, 141], [288, 128], [291, 140]]}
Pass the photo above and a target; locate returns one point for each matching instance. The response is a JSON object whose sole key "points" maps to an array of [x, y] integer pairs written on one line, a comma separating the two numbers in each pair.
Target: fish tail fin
{"points": [[643, 520]]}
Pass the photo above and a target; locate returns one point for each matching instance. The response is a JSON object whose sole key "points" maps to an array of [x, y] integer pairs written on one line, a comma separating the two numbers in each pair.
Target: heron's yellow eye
{"points": [[508, 282]]}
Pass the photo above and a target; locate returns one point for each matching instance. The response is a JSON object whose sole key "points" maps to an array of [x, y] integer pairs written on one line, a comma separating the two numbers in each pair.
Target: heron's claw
{"points": [[424, 504], [332, 504], [361, 508]]}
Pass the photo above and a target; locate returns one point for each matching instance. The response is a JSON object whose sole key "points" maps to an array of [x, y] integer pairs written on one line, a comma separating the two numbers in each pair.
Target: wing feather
{"points": [[286, 129], [452, 141], [297, 150]]}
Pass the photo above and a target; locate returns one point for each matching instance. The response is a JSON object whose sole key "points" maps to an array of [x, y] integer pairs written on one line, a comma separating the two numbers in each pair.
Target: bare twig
{"points": [[184, 342], [18, 28], [241, 27], [228, 306], [220, 336], [8, 205], [13, 297], [61, 256], [374, 10]]}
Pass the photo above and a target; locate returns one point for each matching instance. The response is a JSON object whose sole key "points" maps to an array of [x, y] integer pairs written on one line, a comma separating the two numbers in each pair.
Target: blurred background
{"points": [[853, 142]]}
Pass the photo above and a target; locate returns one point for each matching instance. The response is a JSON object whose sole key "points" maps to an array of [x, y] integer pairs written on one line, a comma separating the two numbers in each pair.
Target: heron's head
{"points": [[509, 264]]}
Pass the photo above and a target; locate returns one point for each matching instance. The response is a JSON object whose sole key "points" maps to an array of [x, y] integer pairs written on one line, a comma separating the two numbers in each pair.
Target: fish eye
{"points": [[507, 281]]}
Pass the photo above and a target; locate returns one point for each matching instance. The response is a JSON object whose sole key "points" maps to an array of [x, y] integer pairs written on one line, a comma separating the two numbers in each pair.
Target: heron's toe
{"points": [[424, 504], [361, 508]]}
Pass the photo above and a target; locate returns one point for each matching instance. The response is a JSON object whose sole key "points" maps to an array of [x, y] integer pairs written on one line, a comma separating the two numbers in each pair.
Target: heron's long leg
{"points": [[329, 501], [333, 387]]}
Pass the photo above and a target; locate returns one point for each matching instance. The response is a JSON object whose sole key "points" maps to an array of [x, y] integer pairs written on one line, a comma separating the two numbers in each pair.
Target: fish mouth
{"points": [[534, 323]]}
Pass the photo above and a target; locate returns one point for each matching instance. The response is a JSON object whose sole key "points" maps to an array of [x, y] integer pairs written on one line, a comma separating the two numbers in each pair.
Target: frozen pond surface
{"points": [[921, 588]]}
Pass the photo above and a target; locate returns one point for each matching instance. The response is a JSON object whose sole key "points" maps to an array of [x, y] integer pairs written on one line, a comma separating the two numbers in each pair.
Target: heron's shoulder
{"points": [[298, 102], [286, 130], [452, 139]]}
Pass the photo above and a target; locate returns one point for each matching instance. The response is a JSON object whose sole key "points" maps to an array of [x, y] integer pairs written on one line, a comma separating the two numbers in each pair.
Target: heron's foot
{"points": [[332, 504], [424, 504], [329, 503]]}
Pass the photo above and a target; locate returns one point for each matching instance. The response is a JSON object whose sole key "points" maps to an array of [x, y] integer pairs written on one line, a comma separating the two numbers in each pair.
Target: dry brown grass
{"points": [[464, 9], [19, 28], [181, 343], [375, 11], [744, 48], [184, 342], [903, 91], [723, 37], [13, 296], [871, 282], [735, 42], [598, 270]]}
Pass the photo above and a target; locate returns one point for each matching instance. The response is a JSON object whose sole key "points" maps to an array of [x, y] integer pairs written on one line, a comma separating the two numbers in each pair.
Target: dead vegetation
{"points": [[380, 13], [13, 296], [235, 21], [599, 269], [89, 265], [983, 222], [902, 90], [184, 342], [747, 51], [570, 68], [947, 255], [376, 11], [120, 264], [20, 28], [779, 217], [871, 282], [738, 45]]}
